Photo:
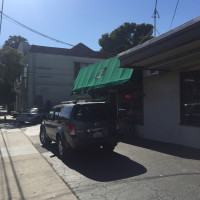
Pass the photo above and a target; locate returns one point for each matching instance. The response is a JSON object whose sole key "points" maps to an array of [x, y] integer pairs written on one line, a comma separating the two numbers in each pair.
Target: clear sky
{"points": [[75, 21]]}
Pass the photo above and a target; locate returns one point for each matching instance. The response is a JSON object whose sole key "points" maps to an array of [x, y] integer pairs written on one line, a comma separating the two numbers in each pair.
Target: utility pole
{"points": [[1, 15], [155, 15]]}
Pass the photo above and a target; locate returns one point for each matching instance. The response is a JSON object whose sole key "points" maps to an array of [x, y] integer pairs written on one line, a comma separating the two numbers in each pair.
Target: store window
{"points": [[190, 97], [131, 104], [76, 69], [78, 66]]}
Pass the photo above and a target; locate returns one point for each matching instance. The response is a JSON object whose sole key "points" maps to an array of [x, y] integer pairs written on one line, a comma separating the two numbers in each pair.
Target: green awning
{"points": [[101, 75]]}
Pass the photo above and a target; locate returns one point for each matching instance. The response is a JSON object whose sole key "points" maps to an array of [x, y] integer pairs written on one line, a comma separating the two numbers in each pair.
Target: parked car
{"points": [[77, 125], [34, 115], [14, 113]]}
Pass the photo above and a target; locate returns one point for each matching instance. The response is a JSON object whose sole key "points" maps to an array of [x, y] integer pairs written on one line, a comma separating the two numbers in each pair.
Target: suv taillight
{"points": [[71, 130]]}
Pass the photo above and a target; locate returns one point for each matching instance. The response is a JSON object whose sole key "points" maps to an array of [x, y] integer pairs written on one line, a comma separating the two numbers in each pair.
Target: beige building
{"points": [[50, 73]]}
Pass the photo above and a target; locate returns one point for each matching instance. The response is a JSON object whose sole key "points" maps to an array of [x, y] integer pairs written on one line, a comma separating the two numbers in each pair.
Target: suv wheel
{"points": [[44, 138], [61, 148]]}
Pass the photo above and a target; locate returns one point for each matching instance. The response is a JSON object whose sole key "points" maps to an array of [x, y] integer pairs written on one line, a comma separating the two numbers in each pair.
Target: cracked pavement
{"points": [[137, 169]]}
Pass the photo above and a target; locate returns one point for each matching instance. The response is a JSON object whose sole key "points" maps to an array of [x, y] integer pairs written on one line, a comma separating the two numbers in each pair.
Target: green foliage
{"points": [[11, 66], [125, 37], [14, 41]]}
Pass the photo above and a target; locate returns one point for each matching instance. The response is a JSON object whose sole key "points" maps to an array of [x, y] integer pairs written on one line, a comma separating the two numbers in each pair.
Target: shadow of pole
{"points": [[13, 170], [6, 179]]}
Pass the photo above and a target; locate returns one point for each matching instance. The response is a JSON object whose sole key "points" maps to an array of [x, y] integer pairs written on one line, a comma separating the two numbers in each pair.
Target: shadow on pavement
{"points": [[5, 121], [12, 124], [171, 149], [6, 174], [8, 124], [100, 166], [2, 113]]}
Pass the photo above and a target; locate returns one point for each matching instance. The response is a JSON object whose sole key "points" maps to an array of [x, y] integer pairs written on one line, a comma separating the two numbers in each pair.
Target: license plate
{"points": [[97, 134]]}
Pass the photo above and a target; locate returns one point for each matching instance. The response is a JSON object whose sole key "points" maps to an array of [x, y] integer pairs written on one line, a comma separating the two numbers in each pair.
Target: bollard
{"points": [[5, 118]]}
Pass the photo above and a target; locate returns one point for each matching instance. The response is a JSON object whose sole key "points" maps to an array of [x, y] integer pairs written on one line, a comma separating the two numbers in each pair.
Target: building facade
{"points": [[50, 73], [171, 97]]}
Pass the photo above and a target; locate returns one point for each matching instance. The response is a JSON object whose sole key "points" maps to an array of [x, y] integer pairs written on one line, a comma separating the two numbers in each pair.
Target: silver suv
{"points": [[80, 124]]}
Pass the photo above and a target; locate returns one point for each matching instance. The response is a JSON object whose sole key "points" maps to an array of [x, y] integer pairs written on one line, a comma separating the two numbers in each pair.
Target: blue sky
{"points": [[75, 21]]}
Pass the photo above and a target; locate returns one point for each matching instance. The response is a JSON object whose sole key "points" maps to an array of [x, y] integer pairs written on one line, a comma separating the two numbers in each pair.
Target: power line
{"points": [[1, 14], [146, 36], [174, 14], [32, 30], [158, 31]]}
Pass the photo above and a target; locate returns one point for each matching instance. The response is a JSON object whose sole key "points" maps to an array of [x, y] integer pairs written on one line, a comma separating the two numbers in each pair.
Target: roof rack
{"points": [[69, 102], [82, 100], [94, 100]]}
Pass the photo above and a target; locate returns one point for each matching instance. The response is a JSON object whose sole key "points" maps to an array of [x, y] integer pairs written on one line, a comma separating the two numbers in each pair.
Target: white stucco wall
{"points": [[52, 76], [162, 112], [190, 136]]}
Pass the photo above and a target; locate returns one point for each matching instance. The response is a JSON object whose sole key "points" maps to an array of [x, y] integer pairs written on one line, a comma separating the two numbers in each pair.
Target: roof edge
{"points": [[172, 33]]}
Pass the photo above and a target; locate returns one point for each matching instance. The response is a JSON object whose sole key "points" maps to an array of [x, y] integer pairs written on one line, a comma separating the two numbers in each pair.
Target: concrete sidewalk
{"points": [[24, 173]]}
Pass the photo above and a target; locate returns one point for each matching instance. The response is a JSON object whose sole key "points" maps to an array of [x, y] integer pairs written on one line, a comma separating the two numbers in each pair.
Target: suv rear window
{"points": [[92, 112], [66, 112]]}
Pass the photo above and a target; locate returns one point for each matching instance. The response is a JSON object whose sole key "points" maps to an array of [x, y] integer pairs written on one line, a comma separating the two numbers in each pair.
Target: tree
{"points": [[14, 41], [11, 65], [7, 95], [125, 37]]}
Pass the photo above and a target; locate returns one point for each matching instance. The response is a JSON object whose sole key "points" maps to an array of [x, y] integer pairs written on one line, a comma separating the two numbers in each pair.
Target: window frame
{"points": [[183, 103]]}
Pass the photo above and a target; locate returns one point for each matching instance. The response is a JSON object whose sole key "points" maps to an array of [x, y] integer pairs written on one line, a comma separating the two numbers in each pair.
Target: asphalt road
{"points": [[137, 169]]}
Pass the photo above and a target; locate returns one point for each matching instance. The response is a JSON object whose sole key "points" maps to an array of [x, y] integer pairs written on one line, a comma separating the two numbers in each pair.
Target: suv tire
{"points": [[61, 148], [44, 138]]}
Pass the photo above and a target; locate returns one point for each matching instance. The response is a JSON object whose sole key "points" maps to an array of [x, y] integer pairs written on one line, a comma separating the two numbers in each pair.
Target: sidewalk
{"points": [[24, 173]]}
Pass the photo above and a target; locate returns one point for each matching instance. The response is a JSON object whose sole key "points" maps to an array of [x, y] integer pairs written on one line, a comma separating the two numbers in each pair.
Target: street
{"points": [[138, 169], [100, 100]]}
